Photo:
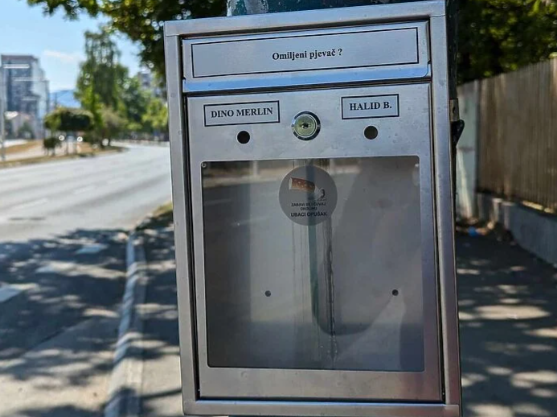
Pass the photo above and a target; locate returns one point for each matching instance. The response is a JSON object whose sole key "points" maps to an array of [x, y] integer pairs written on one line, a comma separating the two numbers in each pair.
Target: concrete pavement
{"points": [[62, 263], [508, 330]]}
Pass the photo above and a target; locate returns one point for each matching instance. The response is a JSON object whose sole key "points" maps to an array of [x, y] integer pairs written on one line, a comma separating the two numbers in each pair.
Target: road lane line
{"points": [[30, 204]]}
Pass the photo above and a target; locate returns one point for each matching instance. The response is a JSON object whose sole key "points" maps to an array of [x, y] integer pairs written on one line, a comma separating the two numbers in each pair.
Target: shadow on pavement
{"points": [[508, 313], [161, 392], [57, 335], [507, 307]]}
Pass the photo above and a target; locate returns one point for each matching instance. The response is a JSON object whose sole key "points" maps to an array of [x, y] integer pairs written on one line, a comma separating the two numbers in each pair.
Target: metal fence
{"points": [[517, 135]]}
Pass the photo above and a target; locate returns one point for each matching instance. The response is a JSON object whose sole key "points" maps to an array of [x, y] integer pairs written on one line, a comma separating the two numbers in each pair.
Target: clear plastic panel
{"points": [[314, 264]]}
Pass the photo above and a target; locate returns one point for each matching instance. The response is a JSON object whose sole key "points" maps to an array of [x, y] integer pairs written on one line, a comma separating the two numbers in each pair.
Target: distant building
{"points": [[148, 82], [25, 89]]}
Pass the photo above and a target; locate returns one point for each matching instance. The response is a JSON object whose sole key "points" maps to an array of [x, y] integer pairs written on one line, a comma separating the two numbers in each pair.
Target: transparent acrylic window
{"points": [[314, 264]]}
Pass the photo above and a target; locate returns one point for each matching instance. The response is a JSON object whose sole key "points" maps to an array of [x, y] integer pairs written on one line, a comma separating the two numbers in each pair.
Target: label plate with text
{"points": [[369, 107], [242, 113], [320, 51]]}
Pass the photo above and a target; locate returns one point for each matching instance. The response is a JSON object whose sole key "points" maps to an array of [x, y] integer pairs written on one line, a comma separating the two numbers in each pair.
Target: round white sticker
{"points": [[308, 195]]}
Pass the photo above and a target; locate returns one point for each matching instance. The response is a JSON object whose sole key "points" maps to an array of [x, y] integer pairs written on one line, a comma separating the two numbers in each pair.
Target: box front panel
{"points": [[309, 264], [314, 259]]}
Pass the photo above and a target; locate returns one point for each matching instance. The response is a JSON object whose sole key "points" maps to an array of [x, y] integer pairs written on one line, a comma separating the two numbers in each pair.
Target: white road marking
{"points": [[85, 189], [30, 204], [91, 249]]}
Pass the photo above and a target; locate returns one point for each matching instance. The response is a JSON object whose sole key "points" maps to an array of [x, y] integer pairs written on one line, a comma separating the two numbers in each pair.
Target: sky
{"points": [[56, 41]]}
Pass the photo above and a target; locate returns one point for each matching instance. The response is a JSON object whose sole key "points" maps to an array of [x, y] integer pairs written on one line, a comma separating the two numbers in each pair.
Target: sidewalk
{"points": [[160, 393], [508, 313], [508, 303]]}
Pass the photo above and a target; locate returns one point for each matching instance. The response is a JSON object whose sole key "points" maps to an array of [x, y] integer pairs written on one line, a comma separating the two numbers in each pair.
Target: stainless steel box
{"points": [[313, 213]]}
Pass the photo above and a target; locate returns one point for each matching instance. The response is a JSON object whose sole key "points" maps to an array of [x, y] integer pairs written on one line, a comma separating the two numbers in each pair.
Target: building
{"points": [[25, 89], [149, 83]]}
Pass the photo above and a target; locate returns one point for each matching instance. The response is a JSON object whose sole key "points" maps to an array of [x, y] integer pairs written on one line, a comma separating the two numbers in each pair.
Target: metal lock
{"points": [[306, 125]]}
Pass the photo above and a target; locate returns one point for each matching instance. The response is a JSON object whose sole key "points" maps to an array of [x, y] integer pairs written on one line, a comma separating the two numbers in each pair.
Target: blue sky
{"points": [[56, 41]]}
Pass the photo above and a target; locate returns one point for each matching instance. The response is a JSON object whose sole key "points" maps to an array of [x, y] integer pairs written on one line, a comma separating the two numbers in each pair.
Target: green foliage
{"points": [[113, 123], [156, 116], [135, 100], [117, 102], [50, 144], [503, 35], [141, 20], [65, 119], [101, 75], [494, 35]]}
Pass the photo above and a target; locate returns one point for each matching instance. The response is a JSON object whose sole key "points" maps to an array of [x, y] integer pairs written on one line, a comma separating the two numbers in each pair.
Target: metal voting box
{"points": [[311, 162]]}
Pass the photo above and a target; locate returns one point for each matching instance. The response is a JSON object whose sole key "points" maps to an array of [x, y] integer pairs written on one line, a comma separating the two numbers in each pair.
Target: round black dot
{"points": [[243, 137], [371, 132], [268, 293], [395, 292]]}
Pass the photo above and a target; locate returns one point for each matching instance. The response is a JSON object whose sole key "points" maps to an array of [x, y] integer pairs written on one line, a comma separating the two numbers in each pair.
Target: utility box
{"points": [[311, 168]]}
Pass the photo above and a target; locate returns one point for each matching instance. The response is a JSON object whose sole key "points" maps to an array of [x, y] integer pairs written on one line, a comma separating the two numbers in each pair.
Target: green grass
{"points": [[161, 217], [22, 147], [42, 159]]}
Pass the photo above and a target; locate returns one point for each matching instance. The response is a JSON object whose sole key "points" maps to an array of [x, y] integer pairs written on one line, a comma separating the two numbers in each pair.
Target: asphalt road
{"points": [[62, 275], [114, 191]]}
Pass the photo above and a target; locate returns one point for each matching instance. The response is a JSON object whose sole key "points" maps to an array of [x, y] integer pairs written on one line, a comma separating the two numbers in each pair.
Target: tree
{"points": [[135, 100], [101, 75], [141, 20], [155, 118], [100, 84], [494, 35], [65, 119], [50, 144], [113, 124], [503, 35]]}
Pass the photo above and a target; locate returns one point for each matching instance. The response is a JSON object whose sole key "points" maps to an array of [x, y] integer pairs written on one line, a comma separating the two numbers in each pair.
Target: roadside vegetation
{"points": [[114, 104], [84, 150]]}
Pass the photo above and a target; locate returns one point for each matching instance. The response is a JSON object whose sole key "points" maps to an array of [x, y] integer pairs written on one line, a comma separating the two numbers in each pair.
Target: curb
{"points": [[125, 382]]}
